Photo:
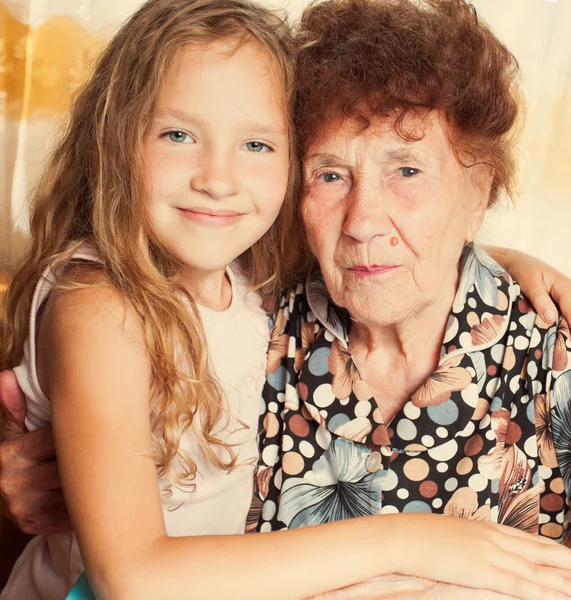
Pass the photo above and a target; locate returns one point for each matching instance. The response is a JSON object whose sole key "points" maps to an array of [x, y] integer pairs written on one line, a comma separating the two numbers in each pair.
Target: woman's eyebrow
{"points": [[315, 161], [401, 155]]}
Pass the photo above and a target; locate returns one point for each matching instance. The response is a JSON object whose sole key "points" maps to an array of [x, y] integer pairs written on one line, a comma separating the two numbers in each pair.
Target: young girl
{"points": [[138, 336]]}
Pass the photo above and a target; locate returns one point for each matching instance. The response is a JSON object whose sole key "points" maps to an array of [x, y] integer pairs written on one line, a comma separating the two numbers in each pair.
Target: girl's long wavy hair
{"points": [[93, 191]]}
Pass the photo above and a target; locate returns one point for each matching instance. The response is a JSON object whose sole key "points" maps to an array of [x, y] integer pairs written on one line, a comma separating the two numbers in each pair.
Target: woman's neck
{"points": [[396, 359]]}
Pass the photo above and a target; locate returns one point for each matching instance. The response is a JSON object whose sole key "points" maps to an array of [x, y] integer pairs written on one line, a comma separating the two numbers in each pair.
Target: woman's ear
{"points": [[482, 177]]}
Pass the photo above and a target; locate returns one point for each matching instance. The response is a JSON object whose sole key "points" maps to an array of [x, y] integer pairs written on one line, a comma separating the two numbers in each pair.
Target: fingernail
{"points": [[550, 315]]}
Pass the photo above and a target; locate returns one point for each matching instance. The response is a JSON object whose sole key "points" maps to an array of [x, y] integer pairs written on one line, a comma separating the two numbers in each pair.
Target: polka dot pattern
{"points": [[477, 440]]}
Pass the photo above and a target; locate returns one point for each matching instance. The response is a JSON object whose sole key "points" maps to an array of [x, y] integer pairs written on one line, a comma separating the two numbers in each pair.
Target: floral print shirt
{"points": [[487, 436]]}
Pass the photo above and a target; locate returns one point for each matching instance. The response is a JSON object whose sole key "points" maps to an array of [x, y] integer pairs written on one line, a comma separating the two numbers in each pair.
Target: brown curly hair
{"points": [[364, 58]]}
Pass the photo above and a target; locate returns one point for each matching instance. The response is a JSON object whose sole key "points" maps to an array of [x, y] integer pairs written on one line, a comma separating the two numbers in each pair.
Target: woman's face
{"points": [[387, 218]]}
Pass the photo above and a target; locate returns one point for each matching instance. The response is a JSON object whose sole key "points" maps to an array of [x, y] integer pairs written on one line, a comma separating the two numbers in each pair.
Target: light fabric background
{"points": [[47, 46]]}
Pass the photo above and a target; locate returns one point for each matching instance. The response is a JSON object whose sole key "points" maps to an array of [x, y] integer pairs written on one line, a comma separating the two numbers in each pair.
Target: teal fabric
{"points": [[81, 590]]}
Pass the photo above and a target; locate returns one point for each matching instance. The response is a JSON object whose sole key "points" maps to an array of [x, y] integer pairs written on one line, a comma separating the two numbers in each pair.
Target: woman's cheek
{"points": [[317, 224], [315, 214]]}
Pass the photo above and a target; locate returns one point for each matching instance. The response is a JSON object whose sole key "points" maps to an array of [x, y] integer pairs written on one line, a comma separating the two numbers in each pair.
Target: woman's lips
{"points": [[209, 217], [365, 271]]}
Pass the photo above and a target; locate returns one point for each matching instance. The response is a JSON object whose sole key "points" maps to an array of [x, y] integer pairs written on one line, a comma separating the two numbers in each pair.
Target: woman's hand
{"points": [[401, 587], [545, 286], [29, 483], [484, 555], [383, 587]]}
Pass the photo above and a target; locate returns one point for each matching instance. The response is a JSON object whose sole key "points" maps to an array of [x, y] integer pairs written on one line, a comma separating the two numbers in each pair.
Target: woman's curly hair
{"points": [[364, 58]]}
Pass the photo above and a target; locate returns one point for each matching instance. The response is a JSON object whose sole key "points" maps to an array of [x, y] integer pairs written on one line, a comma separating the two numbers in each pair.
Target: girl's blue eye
{"points": [[178, 137], [409, 171], [257, 147], [330, 177]]}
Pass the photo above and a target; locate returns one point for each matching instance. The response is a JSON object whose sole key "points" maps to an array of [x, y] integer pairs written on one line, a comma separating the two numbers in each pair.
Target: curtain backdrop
{"points": [[538, 32], [47, 47]]}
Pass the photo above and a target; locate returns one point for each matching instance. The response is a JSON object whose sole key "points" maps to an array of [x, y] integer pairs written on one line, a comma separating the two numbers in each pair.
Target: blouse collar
{"points": [[479, 318], [485, 293]]}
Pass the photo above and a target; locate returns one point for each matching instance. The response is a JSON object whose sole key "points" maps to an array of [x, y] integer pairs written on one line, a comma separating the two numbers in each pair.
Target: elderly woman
{"points": [[410, 374]]}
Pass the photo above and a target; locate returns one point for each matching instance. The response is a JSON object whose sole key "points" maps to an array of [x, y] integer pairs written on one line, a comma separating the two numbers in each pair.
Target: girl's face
{"points": [[216, 155]]}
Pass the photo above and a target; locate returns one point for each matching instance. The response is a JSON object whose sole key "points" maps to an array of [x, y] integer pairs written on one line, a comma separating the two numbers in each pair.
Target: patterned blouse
{"points": [[486, 437]]}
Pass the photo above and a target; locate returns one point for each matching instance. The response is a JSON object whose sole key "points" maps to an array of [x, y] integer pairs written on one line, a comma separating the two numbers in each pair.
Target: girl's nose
{"points": [[216, 176]]}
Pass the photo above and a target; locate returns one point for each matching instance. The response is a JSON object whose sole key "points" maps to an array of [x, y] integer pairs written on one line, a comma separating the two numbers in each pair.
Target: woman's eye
{"points": [[257, 147], [179, 137], [329, 177], [409, 171]]}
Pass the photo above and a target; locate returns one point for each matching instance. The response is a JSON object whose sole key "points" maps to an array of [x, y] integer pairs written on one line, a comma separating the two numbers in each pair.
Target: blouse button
{"points": [[374, 462]]}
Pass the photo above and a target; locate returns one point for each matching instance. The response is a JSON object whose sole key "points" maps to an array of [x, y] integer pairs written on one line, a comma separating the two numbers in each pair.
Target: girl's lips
{"points": [[210, 218]]}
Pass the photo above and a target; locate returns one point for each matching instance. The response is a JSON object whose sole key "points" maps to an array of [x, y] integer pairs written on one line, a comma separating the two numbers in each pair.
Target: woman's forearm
{"points": [[548, 289]]}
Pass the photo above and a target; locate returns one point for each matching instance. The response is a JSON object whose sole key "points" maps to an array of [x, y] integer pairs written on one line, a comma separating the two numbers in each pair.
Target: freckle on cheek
{"points": [[394, 241]]}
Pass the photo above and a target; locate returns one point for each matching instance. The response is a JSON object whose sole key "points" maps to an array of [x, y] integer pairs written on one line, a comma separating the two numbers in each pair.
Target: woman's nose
{"points": [[367, 215]]}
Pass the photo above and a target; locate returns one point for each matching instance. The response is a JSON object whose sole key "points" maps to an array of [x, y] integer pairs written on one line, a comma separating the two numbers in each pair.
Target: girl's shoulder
{"points": [[86, 327], [84, 298], [79, 286], [85, 294], [84, 311], [80, 289]]}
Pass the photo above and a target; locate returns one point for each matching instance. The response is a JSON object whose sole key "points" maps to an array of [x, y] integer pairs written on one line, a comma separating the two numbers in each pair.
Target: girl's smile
{"points": [[217, 155], [209, 217]]}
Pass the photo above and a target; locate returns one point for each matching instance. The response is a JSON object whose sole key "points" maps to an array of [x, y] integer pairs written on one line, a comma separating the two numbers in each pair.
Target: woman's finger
{"points": [[559, 286], [534, 549], [41, 477], [518, 577], [524, 535], [544, 306]]}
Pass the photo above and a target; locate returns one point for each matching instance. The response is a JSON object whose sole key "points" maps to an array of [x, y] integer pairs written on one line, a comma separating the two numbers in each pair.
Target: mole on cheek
{"points": [[394, 241]]}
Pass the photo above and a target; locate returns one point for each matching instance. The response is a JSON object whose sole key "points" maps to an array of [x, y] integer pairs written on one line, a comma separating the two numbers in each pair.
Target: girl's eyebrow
{"points": [[264, 129], [250, 126], [173, 113]]}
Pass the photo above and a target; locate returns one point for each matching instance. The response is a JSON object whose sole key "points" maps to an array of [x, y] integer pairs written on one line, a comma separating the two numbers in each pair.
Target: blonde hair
{"points": [[93, 190]]}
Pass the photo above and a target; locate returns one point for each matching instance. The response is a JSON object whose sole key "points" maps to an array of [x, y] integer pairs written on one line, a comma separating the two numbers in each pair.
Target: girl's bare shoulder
{"points": [[85, 297]]}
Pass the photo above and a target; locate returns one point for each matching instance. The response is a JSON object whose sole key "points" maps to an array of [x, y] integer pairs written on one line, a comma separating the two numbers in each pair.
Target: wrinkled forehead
{"points": [[421, 130]]}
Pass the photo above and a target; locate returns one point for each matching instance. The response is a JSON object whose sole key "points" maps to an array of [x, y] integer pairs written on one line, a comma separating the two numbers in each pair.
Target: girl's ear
{"points": [[482, 176]]}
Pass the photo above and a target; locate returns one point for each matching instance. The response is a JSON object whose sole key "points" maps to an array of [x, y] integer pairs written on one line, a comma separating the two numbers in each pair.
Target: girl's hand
{"points": [[482, 555], [541, 283]]}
